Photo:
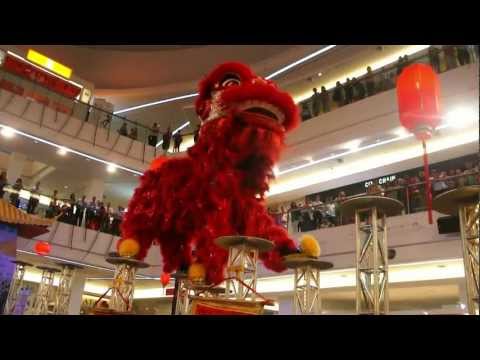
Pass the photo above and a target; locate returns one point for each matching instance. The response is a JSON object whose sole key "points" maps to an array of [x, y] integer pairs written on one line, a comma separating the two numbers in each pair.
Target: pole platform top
{"points": [[48, 268], [250, 242], [68, 265], [295, 261], [386, 205], [449, 201], [19, 262], [128, 261]]}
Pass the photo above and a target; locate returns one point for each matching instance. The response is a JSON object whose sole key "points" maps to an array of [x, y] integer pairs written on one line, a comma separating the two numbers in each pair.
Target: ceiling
{"points": [[132, 67], [70, 170]]}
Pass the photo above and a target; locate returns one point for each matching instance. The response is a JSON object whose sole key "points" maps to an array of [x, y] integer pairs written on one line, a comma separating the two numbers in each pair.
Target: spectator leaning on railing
{"points": [[3, 183]]}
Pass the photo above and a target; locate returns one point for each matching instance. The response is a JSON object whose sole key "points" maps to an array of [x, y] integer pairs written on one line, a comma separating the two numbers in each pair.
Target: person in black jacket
{"points": [[434, 55], [348, 91], [3, 183], [325, 97], [316, 102], [338, 94], [463, 55], [359, 89], [167, 137], [370, 82], [305, 114]]}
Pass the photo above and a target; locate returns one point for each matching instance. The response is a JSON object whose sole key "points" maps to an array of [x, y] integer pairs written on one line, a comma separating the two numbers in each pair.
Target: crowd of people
{"points": [[95, 214], [372, 83], [313, 214], [167, 137]]}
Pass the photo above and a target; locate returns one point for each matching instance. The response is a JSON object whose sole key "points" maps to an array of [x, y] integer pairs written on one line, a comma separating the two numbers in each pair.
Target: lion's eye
{"points": [[230, 80]]}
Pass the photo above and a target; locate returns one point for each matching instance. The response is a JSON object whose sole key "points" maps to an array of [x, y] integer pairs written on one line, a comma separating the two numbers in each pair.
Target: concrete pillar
{"points": [[462, 295], [285, 305], [96, 187], [16, 163], [78, 285], [47, 170]]}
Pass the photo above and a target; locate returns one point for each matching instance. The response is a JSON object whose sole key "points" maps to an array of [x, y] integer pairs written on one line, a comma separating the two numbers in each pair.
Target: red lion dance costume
{"points": [[184, 204]]}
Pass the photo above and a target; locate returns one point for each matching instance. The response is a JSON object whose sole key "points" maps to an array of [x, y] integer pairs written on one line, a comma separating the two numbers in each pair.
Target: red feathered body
{"points": [[218, 188]]}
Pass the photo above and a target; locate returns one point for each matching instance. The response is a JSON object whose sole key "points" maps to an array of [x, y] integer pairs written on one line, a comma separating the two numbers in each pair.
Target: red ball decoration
{"points": [[156, 163], [418, 94], [42, 248], [165, 279]]}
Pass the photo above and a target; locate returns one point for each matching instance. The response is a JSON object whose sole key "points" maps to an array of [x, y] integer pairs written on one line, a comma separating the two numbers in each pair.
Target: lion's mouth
{"points": [[262, 114], [262, 108]]}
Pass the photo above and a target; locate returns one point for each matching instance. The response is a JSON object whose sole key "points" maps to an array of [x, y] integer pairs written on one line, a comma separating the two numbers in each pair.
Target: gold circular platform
{"points": [[385, 205], [207, 288], [48, 268], [19, 262], [68, 265], [295, 261], [449, 201], [126, 260], [260, 244]]}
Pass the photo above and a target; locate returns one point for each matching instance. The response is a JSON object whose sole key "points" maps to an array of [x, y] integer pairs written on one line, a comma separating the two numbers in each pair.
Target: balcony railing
{"points": [[322, 215], [384, 79]]}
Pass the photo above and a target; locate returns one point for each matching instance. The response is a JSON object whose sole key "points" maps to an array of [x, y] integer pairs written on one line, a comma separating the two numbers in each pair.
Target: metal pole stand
{"points": [[242, 263], [15, 287], [306, 286], [181, 294], [64, 291], [371, 248], [464, 202], [188, 290], [45, 289], [123, 287]]}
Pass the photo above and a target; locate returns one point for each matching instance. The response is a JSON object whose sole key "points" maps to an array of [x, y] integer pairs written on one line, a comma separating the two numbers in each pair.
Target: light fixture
{"points": [[463, 306], [8, 132], [65, 187], [111, 168], [373, 161], [181, 127], [461, 117], [86, 156], [300, 61], [319, 74], [182, 97], [62, 151]]}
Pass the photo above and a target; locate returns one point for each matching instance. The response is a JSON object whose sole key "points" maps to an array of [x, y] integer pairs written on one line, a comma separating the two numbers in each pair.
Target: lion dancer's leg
{"points": [[261, 224]]}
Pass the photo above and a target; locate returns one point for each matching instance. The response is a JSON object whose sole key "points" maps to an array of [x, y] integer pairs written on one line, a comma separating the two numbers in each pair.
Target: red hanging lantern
{"points": [[42, 248], [165, 279], [418, 94]]}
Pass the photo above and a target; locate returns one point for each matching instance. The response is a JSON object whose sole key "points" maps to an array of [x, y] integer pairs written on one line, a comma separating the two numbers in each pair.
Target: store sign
{"points": [[381, 181], [49, 64]]}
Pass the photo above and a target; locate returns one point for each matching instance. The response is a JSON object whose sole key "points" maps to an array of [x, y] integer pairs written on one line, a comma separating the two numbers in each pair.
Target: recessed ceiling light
{"points": [[111, 168], [62, 151], [7, 132], [65, 187], [319, 74]]}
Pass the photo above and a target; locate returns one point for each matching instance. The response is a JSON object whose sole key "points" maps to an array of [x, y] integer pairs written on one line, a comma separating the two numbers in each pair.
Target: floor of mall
{"points": [[295, 180]]}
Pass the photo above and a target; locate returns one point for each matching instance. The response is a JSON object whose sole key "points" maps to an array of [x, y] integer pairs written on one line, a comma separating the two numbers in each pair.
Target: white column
{"points": [[78, 285], [16, 163], [95, 187], [462, 294], [41, 174], [285, 305]]}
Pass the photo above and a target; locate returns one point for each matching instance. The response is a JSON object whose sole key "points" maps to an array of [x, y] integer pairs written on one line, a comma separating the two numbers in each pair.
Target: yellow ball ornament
{"points": [[196, 272], [309, 246], [129, 248]]}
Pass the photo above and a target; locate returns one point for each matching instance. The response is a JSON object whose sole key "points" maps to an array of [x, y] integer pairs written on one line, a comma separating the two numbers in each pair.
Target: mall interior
{"points": [[387, 138]]}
